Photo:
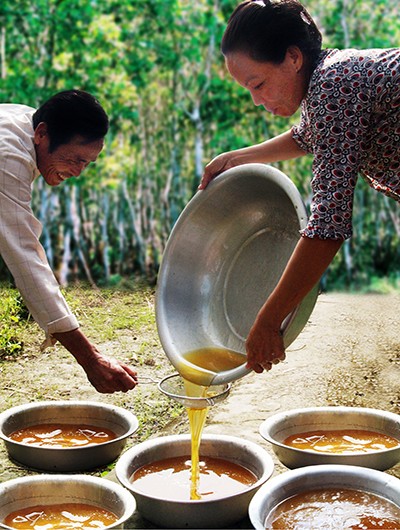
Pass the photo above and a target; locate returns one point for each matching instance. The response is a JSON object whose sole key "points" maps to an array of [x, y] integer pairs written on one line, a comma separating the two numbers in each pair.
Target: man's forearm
{"points": [[77, 344], [106, 374]]}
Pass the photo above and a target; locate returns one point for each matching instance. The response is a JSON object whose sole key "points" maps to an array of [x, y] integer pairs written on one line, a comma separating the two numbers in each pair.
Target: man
{"points": [[56, 141]]}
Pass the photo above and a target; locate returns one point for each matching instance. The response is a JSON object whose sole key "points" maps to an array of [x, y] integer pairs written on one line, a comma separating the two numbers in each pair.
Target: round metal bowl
{"points": [[223, 258], [123, 423], [305, 479], [278, 427], [26, 492], [202, 513]]}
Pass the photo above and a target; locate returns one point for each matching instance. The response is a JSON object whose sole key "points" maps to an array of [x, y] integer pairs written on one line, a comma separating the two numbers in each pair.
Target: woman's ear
{"points": [[296, 57]]}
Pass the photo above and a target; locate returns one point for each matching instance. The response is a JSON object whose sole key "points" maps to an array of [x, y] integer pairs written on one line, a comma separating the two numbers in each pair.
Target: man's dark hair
{"points": [[72, 113], [265, 29]]}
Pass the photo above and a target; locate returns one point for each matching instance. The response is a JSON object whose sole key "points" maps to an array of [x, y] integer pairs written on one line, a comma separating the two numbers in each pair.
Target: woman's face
{"points": [[280, 88]]}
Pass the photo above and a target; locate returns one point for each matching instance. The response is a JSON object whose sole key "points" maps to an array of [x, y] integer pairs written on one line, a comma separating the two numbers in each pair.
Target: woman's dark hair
{"points": [[71, 113], [264, 30]]}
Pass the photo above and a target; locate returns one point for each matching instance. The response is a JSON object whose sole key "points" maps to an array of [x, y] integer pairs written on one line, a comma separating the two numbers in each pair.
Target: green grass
{"points": [[102, 312], [12, 314], [107, 310], [121, 322]]}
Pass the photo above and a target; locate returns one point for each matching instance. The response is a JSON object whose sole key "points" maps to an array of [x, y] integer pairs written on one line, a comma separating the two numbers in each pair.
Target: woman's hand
{"points": [[264, 346], [282, 147], [303, 271], [218, 165]]}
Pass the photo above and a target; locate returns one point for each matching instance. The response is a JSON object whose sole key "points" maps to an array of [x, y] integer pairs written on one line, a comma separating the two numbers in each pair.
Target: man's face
{"points": [[67, 160]]}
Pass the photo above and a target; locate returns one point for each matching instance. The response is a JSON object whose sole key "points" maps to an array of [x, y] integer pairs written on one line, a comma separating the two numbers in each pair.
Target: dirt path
{"points": [[348, 354]]}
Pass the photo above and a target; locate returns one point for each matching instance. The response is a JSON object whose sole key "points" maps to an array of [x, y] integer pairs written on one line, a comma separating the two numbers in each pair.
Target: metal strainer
{"points": [[173, 386]]}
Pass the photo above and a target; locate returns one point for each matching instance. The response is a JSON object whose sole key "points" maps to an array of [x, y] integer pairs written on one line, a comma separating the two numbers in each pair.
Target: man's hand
{"points": [[108, 375], [105, 374]]}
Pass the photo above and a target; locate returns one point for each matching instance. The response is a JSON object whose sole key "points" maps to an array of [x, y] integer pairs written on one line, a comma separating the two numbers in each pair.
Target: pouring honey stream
{"points": [[202, 365], [197, 420]]}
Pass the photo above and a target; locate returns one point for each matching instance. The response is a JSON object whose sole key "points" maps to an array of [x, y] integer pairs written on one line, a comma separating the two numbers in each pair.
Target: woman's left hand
{"points": [[309, 260], [264, 347]]}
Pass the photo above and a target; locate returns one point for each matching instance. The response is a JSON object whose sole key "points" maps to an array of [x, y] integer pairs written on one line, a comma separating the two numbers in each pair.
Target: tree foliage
{"points": [[157, 69]]}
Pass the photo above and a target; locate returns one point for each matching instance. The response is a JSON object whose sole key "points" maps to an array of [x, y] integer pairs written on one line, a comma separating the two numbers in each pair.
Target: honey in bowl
{"points": [[215, 359], [58, 516], [203, 364], [62, 435], [170, 478], [342, 441], [334, 508]]}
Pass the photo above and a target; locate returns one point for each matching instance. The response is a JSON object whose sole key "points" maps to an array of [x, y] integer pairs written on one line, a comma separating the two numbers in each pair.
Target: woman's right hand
{"points": [[218, 165], [281, 147]]}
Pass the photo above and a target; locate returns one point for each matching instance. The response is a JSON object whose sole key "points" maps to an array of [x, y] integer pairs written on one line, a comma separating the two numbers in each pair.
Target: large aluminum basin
{"points": [[223, 258]]}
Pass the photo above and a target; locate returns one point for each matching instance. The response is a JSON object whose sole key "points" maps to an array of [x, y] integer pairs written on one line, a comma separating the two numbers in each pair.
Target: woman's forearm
{"points": [[308, 262], [282, 147]]}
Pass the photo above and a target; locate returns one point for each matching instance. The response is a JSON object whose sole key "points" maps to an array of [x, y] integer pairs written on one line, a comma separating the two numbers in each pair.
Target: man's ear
{"points": [[40, 132]]}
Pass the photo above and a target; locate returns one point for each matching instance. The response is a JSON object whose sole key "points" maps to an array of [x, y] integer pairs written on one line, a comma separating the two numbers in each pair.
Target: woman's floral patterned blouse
{"points": [[350, 121]]}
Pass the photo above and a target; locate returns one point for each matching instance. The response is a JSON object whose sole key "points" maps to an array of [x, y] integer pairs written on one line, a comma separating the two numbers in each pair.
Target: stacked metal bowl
{"points": [[280, 426], [220, 512], [61, 486], [53, 489], [315, 470]]}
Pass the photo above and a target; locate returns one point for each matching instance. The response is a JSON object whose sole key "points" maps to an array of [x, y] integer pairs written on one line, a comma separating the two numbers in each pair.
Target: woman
{"points": [[350, 122]]}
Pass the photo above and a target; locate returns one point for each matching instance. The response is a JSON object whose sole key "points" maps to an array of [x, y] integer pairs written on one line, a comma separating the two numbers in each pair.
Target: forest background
{"points": [[157, 69]]}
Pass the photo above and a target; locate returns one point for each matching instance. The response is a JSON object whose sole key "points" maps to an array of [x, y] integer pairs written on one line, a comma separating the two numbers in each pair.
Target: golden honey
{"points": [[202, 365], [342, 441], [170, 478], [62, 435], [197, 420], [215, 359], [334, 509], [60, 516]]}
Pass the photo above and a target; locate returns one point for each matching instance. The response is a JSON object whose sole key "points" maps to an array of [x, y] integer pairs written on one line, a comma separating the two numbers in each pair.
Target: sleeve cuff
{"points": [[62, 325]]}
